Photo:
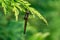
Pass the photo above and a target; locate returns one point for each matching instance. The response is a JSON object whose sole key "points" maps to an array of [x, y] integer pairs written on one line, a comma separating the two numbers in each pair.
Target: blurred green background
{"points": [[36, 28]]}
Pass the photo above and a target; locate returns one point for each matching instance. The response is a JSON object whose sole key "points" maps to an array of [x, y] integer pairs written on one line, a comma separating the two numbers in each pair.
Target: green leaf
{"points": [[16, 12], [39, 36], [34, 11], [20, 8], [26, 3], [4, 7]]}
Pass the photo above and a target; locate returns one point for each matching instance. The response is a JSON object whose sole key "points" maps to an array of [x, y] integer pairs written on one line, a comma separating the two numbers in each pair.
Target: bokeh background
{"points": [[36, 28]]}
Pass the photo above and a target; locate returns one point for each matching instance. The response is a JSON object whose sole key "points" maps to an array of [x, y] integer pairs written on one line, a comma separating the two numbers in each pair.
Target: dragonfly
{"points": [[26, 19]]}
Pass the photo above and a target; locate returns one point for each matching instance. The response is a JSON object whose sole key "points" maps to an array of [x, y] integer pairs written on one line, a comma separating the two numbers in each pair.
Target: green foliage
{"points": [[36, 29], [51, 10], [39, 36], [18, 6], [12, 30]]}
